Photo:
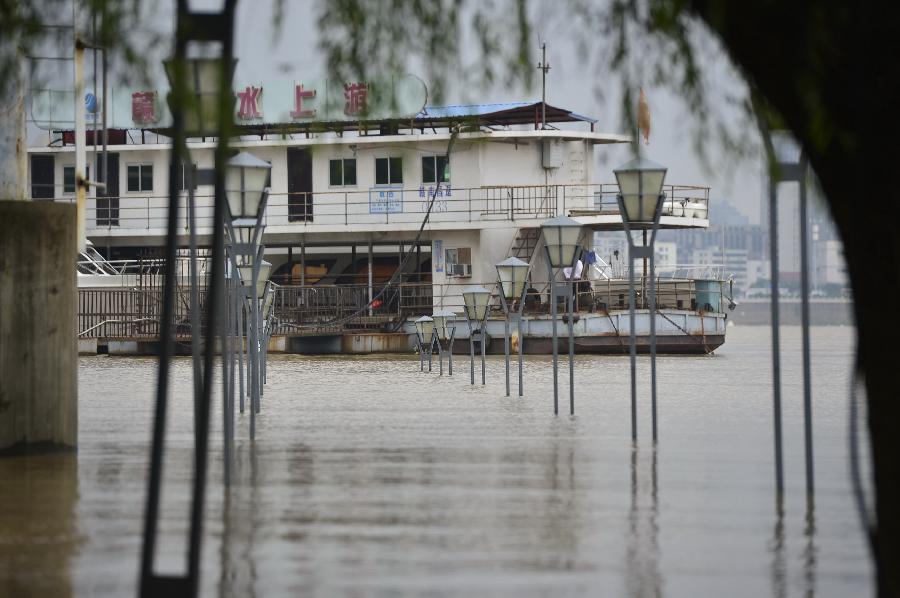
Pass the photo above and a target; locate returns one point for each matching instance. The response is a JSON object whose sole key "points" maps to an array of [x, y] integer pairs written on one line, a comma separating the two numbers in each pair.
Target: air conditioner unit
{"points": [[461, 270]]}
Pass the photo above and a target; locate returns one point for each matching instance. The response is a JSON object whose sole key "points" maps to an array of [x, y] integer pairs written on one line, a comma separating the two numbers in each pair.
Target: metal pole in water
{"points": [[450, 352], [776, 350], [440, 356], [555, 347], [471, 355], [239, 305], [226, 351], [483, 339], [506, 349], [570, 303], [251, 370], [521, 350], [653, 340], [804, 294], [633, 343]]}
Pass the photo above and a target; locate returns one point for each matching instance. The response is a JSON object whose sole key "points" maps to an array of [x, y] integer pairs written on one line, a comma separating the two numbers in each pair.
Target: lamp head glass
{"points": [[640, 185]]}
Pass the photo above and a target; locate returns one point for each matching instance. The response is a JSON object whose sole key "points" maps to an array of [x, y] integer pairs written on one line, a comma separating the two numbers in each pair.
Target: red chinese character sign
{"points": [[284, 101], [356, 96], [143, 108], [249, 100], [301, 95]]}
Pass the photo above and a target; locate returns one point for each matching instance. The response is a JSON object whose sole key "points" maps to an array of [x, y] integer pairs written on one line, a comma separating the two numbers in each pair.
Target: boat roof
{"points": [[507, 113]]}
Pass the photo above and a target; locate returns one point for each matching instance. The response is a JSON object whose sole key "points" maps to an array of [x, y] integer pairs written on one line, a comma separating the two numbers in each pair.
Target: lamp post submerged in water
{"points": [[640, 201], [444, 331], [247, 194], [561, 237], [216, 27], [513, 274], [425, 337], [476, 300]]}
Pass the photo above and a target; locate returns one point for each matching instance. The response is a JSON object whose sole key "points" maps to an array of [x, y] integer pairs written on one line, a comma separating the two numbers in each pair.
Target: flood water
{"points": [[369, 478]]}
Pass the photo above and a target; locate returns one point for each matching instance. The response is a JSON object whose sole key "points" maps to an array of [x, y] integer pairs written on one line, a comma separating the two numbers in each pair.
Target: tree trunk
{"points": [[829, 69]]}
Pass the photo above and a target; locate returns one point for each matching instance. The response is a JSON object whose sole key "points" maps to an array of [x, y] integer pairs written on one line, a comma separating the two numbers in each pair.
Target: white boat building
{"points": [[346, 209]]}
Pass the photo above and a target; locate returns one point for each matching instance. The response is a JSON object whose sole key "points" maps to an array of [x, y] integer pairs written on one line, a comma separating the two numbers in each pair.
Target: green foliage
{"points": [[371, 39]]}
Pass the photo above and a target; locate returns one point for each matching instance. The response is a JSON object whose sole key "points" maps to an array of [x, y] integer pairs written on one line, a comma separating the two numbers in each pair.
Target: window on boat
{"points": [[182, 177], [69, 178], [140, 177], [458, 261], [342, 172], [388, 171], [435, 169]]}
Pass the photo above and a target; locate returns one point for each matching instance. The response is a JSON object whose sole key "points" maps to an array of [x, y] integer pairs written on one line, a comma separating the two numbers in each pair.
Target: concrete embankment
{"points": [[38, 352]]}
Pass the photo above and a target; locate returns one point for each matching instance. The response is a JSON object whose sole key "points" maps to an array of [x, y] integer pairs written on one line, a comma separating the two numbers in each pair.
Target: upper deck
{"points": [[348, 186]]}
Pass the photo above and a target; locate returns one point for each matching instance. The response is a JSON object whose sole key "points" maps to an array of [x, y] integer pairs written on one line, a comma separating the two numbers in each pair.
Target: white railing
{"points": [[393, 206]]}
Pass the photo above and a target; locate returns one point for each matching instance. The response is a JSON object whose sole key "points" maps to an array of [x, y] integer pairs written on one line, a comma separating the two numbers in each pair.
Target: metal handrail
{"points": [[365, 206]]}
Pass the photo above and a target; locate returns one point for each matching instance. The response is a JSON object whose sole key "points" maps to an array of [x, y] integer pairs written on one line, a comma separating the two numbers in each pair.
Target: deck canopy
{"points": [[469, 116]]}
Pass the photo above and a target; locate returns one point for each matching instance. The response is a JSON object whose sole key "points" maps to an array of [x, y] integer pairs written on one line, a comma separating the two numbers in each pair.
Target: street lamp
{"points": [[247, 194], [201, 100], [561, 236], [476, 300], [640, 203], [445, 331], [425, 334], [513, 275]]}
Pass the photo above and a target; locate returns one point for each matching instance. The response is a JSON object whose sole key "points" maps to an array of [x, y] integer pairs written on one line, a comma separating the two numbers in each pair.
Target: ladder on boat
{"points": [[525, 243]]}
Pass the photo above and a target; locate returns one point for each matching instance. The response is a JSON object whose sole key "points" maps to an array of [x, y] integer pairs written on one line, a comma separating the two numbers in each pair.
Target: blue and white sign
{"points": [[437, 255], [386, 200]]}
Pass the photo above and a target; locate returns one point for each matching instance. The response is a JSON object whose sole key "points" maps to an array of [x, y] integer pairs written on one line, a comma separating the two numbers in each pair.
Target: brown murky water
{"points": [[370, 479]]}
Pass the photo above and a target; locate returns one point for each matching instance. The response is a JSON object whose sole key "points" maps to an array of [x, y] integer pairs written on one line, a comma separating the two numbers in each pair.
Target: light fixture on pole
{"points": [[445, 330], [561, 237], [640, 201], [425, 336], [200, 99], [513, 275], [476, 300]]}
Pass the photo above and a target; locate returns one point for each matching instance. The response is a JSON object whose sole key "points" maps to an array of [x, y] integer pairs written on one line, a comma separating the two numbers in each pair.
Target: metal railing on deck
{"points": [[390, 205], [122, 313]]}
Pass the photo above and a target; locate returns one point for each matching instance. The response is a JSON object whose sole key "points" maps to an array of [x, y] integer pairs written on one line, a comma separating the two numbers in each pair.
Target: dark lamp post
{"points": [[561, 237], [476, 300], [640, 202], [513, 275], [444, 331], [425, 334]]}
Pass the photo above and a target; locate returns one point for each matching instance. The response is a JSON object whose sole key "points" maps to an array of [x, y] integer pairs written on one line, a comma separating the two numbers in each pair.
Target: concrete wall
{"points": [[38, 348]]}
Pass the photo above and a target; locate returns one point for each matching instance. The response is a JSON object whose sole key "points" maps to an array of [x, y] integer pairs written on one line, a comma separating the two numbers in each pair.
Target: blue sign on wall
{"points": [[386, 200]]}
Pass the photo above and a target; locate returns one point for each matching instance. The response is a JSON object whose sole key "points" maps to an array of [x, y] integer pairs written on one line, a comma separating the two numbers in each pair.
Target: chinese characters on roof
{"points": [[256, 103]]}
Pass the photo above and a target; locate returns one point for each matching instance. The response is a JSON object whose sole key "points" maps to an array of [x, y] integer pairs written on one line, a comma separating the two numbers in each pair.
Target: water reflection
{"points": [[241, 519], [810, 553], [38, 534], [642, 554], [779, 559]]}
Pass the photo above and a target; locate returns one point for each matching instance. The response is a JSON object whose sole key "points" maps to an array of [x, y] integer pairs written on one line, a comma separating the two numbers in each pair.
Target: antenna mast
{"points": [[543, 67]]}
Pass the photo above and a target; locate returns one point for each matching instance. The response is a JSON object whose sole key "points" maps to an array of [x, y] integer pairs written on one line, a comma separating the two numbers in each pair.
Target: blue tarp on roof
{"points": [[500, 109]]}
